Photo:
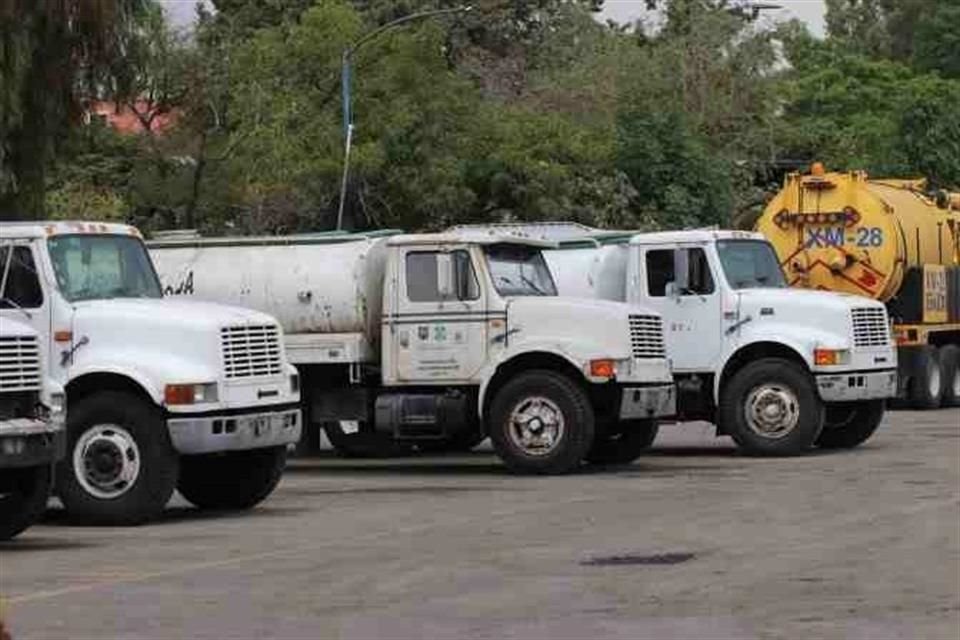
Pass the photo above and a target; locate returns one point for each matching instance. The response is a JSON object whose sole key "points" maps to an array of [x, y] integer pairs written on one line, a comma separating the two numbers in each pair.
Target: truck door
{"points": [[439, 322], [23, 297], [679, 283]]}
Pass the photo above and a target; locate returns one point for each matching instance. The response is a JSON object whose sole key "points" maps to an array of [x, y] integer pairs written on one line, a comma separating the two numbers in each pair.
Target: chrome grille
{"points": [[251, 351], [646, 337], [871, 327], [19, 363]]}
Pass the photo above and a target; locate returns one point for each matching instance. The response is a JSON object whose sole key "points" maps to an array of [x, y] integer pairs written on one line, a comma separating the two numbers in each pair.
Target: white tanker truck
{"points": [[778, 369], [441, 339], [160, 394]]}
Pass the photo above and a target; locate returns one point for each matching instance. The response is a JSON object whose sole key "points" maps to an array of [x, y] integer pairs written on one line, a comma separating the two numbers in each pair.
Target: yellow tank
{"points": [[847, 232]]}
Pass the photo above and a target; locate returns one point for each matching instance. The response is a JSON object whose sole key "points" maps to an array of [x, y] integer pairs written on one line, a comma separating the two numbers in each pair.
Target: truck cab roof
{"points": [[701, 236], [573, 235], [48, 228], [469, 236]]}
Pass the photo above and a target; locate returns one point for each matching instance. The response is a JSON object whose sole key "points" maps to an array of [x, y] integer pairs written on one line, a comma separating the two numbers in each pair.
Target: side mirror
{"points": [[446, 286]]}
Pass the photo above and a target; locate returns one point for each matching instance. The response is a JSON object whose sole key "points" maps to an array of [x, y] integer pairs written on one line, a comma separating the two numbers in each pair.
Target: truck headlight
{"points": [[294, 383], [174, 394], [57, 402], [828, 357]]}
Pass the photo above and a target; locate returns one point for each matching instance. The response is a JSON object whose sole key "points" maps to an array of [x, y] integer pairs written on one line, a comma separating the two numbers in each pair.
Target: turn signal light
{"points": [[826, 357], [603, 369], [178, 394], [174, 394]]}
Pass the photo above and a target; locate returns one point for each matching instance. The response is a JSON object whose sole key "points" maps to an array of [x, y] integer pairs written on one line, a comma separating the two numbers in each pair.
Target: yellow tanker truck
{"points": [[890, 240]]}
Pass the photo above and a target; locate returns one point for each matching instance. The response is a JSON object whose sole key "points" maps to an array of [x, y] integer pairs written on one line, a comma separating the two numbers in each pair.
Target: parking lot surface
{"points": [[691, 541]]}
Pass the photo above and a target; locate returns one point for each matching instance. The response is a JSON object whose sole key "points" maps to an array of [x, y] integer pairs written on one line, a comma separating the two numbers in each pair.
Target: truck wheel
{"points": [[926, 387], [849, 425], [120, 467], [23, 498], [235, 480], [771, 407], [950, 366], [362, 444], [625, 446], [541, 422]]}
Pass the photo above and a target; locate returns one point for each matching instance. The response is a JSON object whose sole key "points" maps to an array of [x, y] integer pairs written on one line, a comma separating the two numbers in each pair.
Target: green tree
{"points": [[856, 111], [49, 51]]}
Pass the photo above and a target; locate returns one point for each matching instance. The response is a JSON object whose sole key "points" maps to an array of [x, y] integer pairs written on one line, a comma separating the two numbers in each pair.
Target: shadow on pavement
{"points": [[176, 514], [28, 542]]}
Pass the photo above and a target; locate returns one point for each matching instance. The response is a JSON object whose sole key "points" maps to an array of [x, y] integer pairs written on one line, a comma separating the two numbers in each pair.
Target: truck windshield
{"points": [[94, 267], [750, 264], [518, 270]]}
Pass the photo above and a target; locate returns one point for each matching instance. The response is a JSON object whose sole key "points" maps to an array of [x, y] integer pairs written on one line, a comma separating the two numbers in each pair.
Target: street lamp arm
{"points": [[401, 20], [345, 79]]}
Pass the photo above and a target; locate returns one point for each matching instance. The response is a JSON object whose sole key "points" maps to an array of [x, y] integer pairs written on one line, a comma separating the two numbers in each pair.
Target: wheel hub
{"points": [[536, 426], [106, 461], [772, 411]]}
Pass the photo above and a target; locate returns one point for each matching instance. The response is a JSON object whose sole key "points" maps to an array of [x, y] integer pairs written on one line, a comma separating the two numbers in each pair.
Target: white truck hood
{"points": [[806, 299], [10, 327], [810, 319], [168, 312], [584, 329], [155, 341]]}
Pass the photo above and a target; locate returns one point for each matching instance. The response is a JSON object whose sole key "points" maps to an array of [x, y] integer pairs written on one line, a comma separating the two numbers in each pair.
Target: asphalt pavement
{"points": [[691, 541]]}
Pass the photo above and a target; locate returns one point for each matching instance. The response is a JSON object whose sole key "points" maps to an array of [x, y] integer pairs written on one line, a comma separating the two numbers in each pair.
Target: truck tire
{"points": [[771, 407], [850, 425], [362, 444], [926, 386], [120, 467], [234, 480], [624, 446], [541, 422], [950, 366], [23, 498]]}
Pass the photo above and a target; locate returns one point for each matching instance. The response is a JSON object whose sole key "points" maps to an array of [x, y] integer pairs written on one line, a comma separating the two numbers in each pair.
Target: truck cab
{"points": [[31, 423], [778, 369], [426, 339], [161, 394]]}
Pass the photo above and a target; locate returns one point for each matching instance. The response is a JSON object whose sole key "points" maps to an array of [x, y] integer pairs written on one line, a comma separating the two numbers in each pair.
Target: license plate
{"points": [[349, 426]]}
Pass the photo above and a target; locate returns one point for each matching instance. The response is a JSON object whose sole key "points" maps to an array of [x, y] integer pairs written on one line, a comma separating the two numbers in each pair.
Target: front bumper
{"points": [[28, 442], [652, 401], [234, 431], [857, 385]]}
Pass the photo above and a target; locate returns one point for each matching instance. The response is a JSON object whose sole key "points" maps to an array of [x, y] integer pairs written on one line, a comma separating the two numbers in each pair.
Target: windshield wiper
{"points": [[533, 285]]}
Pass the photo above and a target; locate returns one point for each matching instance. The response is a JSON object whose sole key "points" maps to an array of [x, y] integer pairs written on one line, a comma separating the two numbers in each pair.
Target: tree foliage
{"points": [[48, 50], [516, 110]]}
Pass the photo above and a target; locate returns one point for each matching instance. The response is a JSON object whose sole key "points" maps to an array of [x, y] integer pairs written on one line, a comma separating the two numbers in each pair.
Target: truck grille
{"points": [[646, 337], [871, 328], [19, 363], [251, 352]]}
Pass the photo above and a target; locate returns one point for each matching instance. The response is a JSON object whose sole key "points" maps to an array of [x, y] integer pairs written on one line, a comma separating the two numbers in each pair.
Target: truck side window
{"points": [[700, 278], [23, 284], [467, 286], [422, 285], [660, 272]]}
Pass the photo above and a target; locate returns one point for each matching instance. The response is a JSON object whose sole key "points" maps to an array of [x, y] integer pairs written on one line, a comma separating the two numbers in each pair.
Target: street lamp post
{"points": [[346, 72]]}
